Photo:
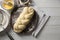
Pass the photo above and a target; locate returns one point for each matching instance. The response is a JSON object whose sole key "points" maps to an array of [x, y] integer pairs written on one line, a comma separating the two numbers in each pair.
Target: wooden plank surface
{"points": [[47, 3], [52, 29]]}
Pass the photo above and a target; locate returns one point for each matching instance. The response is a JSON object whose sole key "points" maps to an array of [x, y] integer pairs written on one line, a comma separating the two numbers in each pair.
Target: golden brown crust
{"points": [[23, 19]]}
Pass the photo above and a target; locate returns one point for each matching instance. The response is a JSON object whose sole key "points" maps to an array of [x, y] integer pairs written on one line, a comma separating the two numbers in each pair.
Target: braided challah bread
{"points": [[23, 19]]}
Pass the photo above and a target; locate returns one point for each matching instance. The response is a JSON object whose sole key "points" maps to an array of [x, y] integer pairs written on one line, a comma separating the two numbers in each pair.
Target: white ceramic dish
{"points": [[6, 18]]}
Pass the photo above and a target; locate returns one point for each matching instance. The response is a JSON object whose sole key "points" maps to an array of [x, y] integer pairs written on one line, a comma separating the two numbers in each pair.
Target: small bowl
{"points": [[10, 9], [23, 2]]}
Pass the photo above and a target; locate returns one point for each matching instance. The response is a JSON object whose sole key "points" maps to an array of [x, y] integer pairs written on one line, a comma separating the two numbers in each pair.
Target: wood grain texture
{"points": [[47, 3], [52, 29]]}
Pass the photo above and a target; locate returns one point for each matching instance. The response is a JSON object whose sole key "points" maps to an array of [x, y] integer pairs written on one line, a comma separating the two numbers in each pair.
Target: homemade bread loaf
{"points": [[23, 19]]}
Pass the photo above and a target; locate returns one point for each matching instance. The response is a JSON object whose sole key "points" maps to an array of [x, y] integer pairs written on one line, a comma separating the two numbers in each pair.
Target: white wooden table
{"points": [[52, 29]]}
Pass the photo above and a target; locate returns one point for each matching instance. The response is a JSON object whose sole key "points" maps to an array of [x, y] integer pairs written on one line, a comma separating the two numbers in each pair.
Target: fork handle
{"points": [[11, 38]]}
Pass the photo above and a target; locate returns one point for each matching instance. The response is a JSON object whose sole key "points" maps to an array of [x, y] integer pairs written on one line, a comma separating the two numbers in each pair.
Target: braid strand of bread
{"points": [[23, 19]]}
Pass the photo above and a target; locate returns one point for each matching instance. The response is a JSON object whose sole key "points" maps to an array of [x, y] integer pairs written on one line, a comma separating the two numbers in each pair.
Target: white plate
{"points": [[6, 17]]}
